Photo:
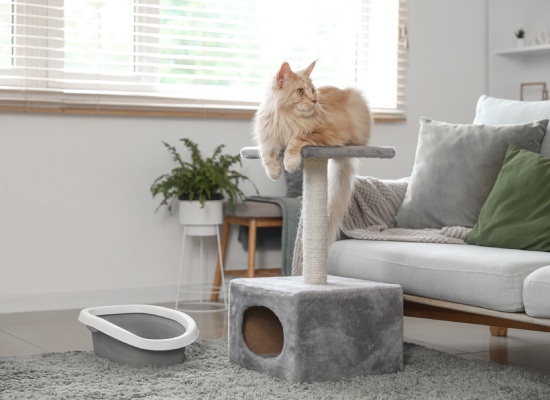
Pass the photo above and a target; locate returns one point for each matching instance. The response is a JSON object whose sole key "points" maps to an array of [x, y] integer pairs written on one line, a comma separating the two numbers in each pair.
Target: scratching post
{"points": [[314, 214], [316, 327]]}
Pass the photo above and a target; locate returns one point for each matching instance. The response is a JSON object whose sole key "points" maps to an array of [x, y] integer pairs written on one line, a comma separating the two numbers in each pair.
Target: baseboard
{"points": [[76, 300]]}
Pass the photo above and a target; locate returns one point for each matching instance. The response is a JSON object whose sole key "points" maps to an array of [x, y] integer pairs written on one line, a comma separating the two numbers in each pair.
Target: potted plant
{"points": [[520, 37], [200, 185]]}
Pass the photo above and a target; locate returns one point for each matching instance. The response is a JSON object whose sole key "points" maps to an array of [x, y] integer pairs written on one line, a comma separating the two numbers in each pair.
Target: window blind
{"points": [[195, 55]]}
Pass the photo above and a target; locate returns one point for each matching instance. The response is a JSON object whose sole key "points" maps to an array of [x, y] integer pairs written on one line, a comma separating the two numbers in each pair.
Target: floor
{"points": [[23, 334]]}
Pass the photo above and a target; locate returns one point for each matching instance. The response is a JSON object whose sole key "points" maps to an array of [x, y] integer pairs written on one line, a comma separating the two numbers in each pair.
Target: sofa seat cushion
{"points": [[474, 275], [536, 293]]}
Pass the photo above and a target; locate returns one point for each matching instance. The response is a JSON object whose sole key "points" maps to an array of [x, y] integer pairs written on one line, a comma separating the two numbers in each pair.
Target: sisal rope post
{"points": [[314, 214]]}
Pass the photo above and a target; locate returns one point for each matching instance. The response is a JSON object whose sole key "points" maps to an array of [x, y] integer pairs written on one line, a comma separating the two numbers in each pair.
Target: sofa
{"points": [[491, 178]]}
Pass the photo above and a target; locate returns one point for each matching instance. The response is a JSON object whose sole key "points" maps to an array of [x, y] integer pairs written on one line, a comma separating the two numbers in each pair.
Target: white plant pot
{"points": [[520, 42], [192, 213]]}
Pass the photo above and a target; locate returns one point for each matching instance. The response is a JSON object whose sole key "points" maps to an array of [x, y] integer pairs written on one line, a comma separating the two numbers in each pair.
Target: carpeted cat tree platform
{"points": [[316, 327]]}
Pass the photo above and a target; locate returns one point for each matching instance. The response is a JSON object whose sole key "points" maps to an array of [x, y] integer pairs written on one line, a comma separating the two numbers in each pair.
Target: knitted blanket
{"points": [[371, 216]]}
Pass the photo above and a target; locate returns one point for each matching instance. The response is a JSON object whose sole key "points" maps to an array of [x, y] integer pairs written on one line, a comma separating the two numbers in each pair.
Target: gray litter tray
{"points": [[140, 335]]}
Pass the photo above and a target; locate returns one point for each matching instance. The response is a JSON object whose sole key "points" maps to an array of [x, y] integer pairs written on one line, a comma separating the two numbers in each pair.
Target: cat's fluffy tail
{"points": [[341, 172]]}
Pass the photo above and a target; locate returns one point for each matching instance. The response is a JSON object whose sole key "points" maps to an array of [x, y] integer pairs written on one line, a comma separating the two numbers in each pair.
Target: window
{"points": [[198, 56], [6, 35]]}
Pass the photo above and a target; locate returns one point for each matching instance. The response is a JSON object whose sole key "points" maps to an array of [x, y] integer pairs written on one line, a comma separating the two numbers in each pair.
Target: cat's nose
{"points": [[314, 101]]}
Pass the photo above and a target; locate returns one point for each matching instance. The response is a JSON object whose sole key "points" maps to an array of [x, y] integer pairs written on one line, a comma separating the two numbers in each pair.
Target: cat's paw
{"points": [[274, 170], [292, 163]]}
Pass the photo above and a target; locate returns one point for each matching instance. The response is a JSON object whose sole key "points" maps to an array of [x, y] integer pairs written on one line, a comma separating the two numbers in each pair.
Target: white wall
{"points": [[77, 217], [507, 72], [447, 73], [77, 226]]}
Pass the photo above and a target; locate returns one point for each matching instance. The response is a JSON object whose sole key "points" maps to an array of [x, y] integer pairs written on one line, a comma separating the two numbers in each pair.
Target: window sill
{"points": [[187, 112]]}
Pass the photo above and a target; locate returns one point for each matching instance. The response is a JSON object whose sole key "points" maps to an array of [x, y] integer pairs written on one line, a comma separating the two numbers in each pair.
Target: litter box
{"points": [[140, 335]]}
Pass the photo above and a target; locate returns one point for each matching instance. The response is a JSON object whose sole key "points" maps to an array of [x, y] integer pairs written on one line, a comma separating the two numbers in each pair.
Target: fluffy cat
{"points": [[295, 114]]}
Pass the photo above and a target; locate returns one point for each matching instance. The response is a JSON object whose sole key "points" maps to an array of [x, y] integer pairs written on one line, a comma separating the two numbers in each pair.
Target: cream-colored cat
{"points": [[295, 114]]}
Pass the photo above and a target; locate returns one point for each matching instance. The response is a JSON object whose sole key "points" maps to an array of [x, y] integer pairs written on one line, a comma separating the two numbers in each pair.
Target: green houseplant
{"points": [[202, 179], [520, 33]]}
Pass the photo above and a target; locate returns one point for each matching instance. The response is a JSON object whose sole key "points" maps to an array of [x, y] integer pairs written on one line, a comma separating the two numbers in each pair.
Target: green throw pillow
{"points": [[516, 214]]}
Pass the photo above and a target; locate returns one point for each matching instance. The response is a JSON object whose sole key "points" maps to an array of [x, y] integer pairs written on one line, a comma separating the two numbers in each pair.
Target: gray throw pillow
{"points": [[455, 169]]}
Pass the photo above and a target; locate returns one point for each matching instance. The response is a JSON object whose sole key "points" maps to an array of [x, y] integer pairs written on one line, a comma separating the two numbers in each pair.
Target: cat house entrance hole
{"points": [[263, 331]]}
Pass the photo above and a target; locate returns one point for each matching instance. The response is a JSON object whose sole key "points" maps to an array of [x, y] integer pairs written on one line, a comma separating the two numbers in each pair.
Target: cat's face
{"points": [[295, 90]]}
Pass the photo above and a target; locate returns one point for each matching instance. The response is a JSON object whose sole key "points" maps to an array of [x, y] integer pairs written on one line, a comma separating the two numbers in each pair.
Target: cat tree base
{"points": [[310, 333]]}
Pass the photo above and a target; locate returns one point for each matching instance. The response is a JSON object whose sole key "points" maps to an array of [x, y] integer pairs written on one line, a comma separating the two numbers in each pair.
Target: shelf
{"points": [[527, 50]]}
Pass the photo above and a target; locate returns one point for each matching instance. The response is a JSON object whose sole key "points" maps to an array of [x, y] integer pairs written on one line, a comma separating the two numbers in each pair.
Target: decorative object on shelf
{"points": [[533, 91], [542, 37], [201, 179], [520, 37]]}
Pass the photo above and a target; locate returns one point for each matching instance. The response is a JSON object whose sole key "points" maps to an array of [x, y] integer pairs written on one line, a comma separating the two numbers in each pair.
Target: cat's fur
{"points": [[295, 114]]}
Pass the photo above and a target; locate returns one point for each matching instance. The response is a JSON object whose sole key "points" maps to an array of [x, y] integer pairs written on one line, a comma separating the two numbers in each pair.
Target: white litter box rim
{"points": [[91, 317]]}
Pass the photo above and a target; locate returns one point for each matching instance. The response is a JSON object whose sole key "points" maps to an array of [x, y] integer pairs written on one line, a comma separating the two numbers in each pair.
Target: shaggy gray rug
{"points": [[207, 374]]}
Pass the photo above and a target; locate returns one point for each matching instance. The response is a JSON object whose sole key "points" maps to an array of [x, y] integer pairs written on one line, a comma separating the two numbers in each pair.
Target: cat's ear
{"points": [[283, 76], [308, 70]]}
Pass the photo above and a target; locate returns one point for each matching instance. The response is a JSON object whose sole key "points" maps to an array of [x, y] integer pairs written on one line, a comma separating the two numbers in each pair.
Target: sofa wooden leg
{"points": [[498, 331]]}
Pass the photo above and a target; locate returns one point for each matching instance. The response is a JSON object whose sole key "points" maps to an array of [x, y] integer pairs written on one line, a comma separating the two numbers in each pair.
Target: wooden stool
{"points": [[253, 214]]}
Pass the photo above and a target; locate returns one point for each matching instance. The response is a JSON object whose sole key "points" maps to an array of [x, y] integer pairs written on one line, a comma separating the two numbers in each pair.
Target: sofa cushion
{"points": [[536, 293], [455, 168], [475, 275], [490, 110], [516, 214]]}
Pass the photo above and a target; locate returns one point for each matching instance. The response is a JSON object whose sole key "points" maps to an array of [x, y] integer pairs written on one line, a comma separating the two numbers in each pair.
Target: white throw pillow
{"points": [[493, 111]]}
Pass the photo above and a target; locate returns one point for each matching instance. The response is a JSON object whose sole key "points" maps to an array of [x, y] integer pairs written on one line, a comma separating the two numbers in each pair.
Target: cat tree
{"points": [[316, 327]]}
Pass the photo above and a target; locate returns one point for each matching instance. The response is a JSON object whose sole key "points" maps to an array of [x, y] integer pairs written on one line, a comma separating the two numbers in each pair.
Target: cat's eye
{"points": [[301, 91], [313, 90]]}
